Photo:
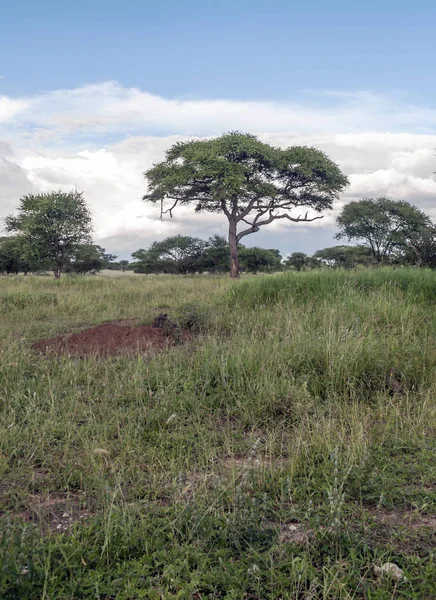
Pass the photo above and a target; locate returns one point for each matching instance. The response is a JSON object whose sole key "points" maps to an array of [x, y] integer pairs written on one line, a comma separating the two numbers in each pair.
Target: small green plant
{"points": [[177, 474], [192, 318]]}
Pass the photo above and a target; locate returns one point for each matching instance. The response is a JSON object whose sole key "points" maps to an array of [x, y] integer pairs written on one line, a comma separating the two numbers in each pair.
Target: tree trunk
{"points": [[233, 244]]}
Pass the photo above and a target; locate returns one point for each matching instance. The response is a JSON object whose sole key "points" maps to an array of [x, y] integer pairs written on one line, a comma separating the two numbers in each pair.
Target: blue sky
{"points": [[239, 49], [92, 93]]}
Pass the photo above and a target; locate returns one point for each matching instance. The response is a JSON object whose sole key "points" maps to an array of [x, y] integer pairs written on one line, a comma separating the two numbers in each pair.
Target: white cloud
{"points": [[10, 108], [109, 107], [99, 139]]}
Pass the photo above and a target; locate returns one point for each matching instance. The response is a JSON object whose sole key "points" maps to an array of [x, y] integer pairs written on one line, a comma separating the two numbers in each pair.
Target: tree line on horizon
{"points": [[187, 255], [252, 184]]}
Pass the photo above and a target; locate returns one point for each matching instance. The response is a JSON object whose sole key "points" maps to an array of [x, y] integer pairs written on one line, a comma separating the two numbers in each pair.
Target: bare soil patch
{"points": [[405, 530], [295, 533], [55, 513], [110, 339], [409, 519]]}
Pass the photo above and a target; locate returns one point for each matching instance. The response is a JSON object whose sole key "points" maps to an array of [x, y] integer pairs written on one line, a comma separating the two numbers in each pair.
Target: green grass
{"points": [[265, 459]]}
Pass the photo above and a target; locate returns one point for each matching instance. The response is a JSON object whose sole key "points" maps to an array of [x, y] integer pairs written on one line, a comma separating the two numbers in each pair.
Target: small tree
{"points": [[421, 249], [121, 265], [145, 261], [216, 255], [124, 265], [13, 256], [346, 257], [250, 182], [384, 225], [297, 261], [90, 258], [53, 225], [183, 251], [260, 259], [177, 254]]}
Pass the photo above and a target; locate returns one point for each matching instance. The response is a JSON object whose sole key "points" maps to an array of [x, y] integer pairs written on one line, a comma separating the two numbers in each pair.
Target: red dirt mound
{"points": [[110, 338]]}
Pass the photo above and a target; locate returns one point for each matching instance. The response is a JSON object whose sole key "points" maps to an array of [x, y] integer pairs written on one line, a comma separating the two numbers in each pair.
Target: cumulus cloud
{"points": [[101, 138], [10, 108]]}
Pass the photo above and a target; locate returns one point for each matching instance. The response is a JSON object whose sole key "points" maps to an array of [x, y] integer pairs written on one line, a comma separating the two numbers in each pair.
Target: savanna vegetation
{"points": [[53, 232], [251, 183], [278, 439], [287, 450]]}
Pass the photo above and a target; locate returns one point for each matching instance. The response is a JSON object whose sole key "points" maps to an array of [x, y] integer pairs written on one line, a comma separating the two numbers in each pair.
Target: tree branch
{"points": [[257, 224], [169, 210], [224, 209], [248, 208], [256, 218]]}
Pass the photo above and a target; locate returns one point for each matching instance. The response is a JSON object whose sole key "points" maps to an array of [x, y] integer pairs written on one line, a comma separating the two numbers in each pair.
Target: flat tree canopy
{"points": [[382, 224], [177, 254], [345, 256], [52, 226], [89, 258], [249, 181], [182, 250]]}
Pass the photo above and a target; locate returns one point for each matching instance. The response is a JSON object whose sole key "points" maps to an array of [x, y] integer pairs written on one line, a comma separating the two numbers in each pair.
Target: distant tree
{"points": [[89, 258], [53, 225], [260, 259], [124, 265], [249, 181], [11, 256], [313, 263], [386, 226], [176, 254], [146, 261], [297, 261], [216, 255], [183, 251], [16, 257], [421, 249], [121, 265], [346, 257]]}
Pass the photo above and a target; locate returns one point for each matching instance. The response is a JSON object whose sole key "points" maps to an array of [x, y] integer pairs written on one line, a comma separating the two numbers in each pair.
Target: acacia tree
{"points": [[180, 254], [250, 182], [215, 255], [183, 251], [297, 261], [346, 257], [386, 226], [256, 259], [421, 248], [53, 225], [90, 258]]}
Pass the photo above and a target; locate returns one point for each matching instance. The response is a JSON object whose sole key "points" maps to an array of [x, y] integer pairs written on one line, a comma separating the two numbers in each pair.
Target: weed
{"points": [[197, 467]]}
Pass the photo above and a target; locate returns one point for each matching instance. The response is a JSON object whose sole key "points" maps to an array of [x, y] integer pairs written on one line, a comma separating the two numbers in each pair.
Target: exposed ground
{"points": [[284, 450], [109, 339]]}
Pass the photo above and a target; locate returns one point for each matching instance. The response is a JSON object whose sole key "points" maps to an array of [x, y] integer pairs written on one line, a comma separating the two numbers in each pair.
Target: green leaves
{"points": [[249, 181], [346, 257], [176, 254], [53, 225], [236, 173], [385, 225]]}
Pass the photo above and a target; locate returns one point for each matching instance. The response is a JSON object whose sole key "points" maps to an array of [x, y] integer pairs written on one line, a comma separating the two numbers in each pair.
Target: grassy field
{"points": [[282, 453]]}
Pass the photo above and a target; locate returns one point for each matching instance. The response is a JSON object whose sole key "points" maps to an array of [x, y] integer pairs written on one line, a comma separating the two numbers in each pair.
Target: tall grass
{"points": [[191, 467], [416, 285]]}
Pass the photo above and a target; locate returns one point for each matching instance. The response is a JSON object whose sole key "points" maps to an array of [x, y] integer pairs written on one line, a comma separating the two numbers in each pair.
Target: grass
{"points": [[266, 459]]}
